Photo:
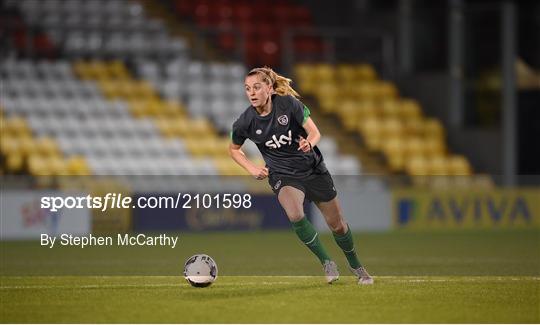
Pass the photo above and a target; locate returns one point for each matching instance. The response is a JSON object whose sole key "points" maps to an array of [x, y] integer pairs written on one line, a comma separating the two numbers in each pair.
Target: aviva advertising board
{"points": [[496, 208]]}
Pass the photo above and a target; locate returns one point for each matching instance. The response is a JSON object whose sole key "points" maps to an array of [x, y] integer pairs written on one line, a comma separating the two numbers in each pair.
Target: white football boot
{"points": [[363, 276], [331, 271]]}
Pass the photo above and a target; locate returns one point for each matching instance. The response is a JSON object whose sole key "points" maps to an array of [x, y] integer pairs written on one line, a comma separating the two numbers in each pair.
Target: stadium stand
{"points": [[394, 126], [121, 97], [259, 24]]}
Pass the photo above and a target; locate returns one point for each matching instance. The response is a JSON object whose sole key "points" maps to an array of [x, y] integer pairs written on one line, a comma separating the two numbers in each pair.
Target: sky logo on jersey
{"points": [[276, 143]]}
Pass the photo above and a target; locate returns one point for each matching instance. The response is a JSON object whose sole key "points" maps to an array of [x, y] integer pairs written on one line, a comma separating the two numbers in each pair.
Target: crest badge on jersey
{"points": [[278, 184], [259, 131], [283, 120]]}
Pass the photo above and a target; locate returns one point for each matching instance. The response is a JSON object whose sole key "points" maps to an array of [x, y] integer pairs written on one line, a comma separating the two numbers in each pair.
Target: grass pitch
{"points": [[269, 277]]}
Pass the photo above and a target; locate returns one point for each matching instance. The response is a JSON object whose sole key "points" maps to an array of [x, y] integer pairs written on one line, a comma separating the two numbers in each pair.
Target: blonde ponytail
{"points": [[281, 84]]}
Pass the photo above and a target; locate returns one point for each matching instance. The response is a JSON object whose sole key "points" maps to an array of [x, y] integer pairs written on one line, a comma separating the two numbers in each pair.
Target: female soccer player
{"points": [[281, 127]]}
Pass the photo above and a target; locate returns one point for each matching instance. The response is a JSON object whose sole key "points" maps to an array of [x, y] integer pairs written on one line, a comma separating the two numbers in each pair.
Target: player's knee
{"points": [[339, 227], [295, 216]]}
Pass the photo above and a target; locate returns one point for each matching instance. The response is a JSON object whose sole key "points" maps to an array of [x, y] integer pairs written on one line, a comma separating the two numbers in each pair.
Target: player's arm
{"points": [[313, 136], [241, 159]]}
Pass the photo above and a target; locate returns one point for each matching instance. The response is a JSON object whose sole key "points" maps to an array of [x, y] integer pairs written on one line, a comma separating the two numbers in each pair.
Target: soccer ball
{"points": [[200, 270]]}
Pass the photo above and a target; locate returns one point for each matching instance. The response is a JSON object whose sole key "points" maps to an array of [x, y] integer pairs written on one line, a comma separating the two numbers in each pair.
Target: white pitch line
{"points": [[89, 286], [384, 279], [118, 286]]}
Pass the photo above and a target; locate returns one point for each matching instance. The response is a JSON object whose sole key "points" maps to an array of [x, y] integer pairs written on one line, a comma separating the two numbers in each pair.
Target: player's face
{"points": [[257, 91]]}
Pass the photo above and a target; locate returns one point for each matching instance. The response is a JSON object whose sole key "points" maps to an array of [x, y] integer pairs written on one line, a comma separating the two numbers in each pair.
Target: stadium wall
{"points": [[365, 206], [366, 209], [21, 216], [466, 209]]}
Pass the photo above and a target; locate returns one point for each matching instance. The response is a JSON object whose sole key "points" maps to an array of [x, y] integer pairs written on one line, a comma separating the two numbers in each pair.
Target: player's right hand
{"points": [[260, 172]]}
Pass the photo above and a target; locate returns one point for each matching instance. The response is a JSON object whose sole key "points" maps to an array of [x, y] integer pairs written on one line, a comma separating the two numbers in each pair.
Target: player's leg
{"points": [[292, 201], [331, 211]]}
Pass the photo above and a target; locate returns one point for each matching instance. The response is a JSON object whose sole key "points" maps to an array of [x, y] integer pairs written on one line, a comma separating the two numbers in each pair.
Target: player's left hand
{"points": [[304, 145]]}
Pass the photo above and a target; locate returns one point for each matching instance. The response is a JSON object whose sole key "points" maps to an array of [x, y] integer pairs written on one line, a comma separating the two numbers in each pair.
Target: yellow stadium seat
{"points": [[344, 104], [414, 146], [410, 109], [220, 147], [81, 70], [327, 90], [433, 128], [143, 89], [324, 72], [201, 126], [108, 88], [178, 126], [309, 86], [38, 165], [137, 108], [57, 165], [417, 166], [350, 116], [390, 108], [211, 146], [199, 147], [100, 70], [190, 128], [384, 90], [27, 145], [9, 145], [365, 72], [391, 127], [47, 146], [438, 165], [151, 107], [413, 127], [346, 73], [14, 163], [434, 147], [365, 90], [371, 132], [77, 165], [166, 127], [459, 166], [303, 73], [170, 109], [349, 91], [117, 70], [16, 126], [393, 148], [228, 167], [329, 105], [367, 109]]}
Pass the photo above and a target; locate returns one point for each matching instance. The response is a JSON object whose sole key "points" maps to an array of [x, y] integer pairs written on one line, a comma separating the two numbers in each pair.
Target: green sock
{"points": [[309, 236], [345, 242]]}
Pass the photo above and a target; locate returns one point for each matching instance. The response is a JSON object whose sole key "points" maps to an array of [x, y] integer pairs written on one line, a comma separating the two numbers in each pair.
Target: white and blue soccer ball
{"points": [[200, 270]]}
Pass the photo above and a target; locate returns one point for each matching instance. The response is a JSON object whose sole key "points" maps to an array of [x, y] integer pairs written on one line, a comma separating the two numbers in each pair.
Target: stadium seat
{"points": [[459, 166], [394, 149], [417, 166], [438, 165]]}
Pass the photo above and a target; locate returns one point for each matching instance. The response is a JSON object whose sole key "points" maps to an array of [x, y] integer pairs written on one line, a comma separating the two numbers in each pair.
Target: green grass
{"points": [[420, 277]]}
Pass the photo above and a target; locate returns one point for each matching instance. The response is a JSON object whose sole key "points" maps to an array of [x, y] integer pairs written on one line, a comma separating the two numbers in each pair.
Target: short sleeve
{"points": [[300, 111], [238, 133]]}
